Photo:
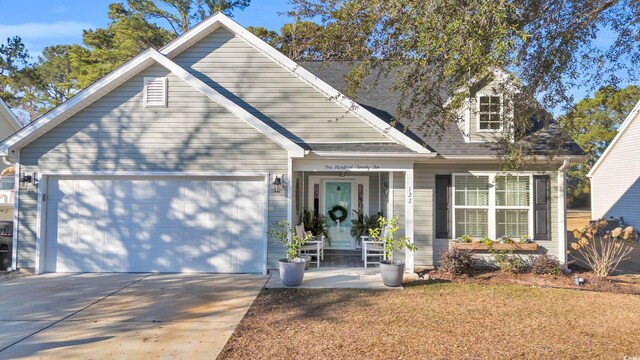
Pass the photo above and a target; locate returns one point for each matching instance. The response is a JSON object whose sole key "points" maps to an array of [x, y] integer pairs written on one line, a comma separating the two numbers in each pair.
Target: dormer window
{"points": [[489, 113], [155, 92]]}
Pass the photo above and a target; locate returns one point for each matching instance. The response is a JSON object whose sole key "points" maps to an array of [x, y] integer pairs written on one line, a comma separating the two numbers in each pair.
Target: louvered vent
{"points": [[155, 91]]}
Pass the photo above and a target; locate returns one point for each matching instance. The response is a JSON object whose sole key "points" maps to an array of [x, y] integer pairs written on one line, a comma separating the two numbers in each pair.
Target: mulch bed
{"points": [[623, 284]]}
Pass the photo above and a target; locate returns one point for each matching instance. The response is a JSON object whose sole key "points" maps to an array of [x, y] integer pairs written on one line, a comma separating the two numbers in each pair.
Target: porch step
{"points": [[342, 258]]}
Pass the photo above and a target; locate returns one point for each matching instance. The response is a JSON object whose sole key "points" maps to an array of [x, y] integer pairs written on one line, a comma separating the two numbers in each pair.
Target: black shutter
{"points": [[443, 206], [542, 207]]}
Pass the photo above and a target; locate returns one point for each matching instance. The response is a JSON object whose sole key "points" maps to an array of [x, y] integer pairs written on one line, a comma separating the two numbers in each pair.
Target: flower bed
{"points": [[495, 246]]}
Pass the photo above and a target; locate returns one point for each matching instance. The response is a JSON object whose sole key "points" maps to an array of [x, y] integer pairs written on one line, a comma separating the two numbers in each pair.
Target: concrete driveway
{"points": [[125, 316]]}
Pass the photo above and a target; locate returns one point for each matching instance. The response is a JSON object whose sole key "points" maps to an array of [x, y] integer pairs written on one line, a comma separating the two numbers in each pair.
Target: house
{"points": [[174, 162], [9, 124], [615, 177]]}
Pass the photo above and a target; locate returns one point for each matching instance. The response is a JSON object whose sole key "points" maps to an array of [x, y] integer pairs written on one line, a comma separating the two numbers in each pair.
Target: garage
{"points": [[155, 224]]}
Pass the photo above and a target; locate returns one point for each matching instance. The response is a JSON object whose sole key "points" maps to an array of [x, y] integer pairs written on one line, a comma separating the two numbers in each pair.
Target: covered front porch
{"points": [[344, 190]]}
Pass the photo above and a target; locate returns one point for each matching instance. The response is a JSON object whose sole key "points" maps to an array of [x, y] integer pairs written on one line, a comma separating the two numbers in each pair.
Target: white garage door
{"points": [[155, 224]]}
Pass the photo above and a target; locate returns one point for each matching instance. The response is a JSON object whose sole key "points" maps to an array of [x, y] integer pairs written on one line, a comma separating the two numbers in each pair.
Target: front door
{"points": [[338, 205]]}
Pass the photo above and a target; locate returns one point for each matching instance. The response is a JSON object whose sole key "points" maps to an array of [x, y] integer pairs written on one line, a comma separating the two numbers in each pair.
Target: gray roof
{"points": [[382, 101], [382, 147]]}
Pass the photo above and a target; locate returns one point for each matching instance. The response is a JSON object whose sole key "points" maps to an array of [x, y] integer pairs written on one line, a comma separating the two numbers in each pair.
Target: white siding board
{"points": [[616, 182]]}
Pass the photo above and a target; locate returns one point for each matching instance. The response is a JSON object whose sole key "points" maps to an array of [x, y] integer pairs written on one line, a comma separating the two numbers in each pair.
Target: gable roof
{"points": [[11, 118], [217, 20], [382, 101], [119, 76], [633, 115]]}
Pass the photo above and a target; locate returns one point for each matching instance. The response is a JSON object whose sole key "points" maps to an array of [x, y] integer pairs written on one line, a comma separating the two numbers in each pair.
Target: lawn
{"points": [[438, 319]]}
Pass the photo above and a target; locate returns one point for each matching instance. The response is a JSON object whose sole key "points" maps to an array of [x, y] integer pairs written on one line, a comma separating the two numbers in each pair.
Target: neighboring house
{"points": [[9, 124], [615, 177], [170, 163]]}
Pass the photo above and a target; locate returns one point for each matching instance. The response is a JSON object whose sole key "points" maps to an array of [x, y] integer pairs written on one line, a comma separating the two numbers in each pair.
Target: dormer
{"points": [[487, 111]]}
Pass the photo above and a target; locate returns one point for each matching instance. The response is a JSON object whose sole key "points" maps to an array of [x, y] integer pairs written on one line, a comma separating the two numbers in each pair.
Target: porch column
{"points": [[562, 213], [408, 182]]}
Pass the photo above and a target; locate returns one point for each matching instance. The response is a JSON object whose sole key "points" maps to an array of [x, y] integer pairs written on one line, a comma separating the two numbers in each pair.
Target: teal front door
{"points": [[338, 198]]}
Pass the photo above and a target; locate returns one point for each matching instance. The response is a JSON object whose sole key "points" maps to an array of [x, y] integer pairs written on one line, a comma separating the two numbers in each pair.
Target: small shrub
{"points": [[603, 250], [508, 262], [485, 240], [545, 264], [465, 239], [457, 262]]}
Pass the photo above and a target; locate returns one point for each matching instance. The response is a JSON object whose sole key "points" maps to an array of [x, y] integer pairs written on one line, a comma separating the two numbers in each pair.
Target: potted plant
{"points": [[361, 225], [390, 269], [315, 223], [291, 268]]}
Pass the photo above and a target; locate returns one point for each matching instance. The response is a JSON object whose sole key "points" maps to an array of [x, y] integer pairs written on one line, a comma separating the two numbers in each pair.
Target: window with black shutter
{"points": [[443, 206], [542, 207]]}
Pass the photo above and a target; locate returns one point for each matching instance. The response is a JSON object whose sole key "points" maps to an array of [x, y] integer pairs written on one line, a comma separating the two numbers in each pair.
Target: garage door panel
{"points": [[165, 225], [223, 192]]}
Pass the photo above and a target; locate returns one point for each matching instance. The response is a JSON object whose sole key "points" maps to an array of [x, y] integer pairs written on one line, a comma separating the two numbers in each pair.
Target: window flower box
{"points": [[495, 246]]}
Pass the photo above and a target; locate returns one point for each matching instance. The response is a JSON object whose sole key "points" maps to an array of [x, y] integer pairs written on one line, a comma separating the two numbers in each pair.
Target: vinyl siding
{"points": [[117, 133], [429, 247], [270, 92], [6, 128], [615, 185]]}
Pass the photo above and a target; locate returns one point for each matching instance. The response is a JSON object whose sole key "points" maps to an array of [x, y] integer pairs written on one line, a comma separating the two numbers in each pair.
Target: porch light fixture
{"points": [[277, 183]]}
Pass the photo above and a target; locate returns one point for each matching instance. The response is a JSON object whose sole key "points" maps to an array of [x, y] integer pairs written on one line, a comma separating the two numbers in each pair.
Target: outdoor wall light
{"points": [[26, 179], [277, 183]]}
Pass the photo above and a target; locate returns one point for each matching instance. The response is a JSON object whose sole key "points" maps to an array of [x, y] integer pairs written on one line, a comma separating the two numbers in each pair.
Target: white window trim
{"points": [[478, 129], [491, 215], [147, 80]]}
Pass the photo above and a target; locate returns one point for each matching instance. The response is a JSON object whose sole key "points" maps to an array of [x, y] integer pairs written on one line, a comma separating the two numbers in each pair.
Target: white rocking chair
{"points": [[373, 248], [313, 248]]}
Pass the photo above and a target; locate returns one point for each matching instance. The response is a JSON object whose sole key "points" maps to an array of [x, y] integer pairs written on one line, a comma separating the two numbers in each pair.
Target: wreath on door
{"points": [[338, 213]]}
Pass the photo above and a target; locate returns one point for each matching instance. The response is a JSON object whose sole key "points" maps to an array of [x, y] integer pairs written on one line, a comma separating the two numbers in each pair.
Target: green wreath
{"points": [[343, 213]]}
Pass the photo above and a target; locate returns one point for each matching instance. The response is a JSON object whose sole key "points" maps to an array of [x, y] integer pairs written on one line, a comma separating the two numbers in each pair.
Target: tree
{"points": [[297, 40], [105, 49], [593, 123], [46, 83], [181, 14], [440, 49], [13, 56]]}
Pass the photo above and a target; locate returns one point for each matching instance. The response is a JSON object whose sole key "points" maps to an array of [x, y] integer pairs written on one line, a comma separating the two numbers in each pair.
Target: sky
{"points": [[41, 23]]}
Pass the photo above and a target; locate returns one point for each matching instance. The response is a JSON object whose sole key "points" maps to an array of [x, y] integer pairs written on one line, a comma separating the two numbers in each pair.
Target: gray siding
{"points": [[117, 133], [615, 185], [6, 127], [429, 248], [270, 92]]}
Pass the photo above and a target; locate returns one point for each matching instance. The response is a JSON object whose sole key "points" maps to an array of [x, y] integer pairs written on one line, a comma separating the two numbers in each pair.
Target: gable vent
{"points": [[155, 92]]}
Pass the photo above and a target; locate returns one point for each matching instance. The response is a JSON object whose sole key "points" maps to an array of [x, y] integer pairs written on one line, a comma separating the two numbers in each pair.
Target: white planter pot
{"points": [[392, 272], [291, 272]]}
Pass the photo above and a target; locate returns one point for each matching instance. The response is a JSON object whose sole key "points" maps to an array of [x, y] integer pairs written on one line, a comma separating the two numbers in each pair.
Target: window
{"points": [[489, 113], [513, 202], [492, 206], [472, 205], [155, 92]]}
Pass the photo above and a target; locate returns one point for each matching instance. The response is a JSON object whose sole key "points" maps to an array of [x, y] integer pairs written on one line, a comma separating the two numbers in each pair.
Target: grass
{"points": [[578, 219], [438, 320]]}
